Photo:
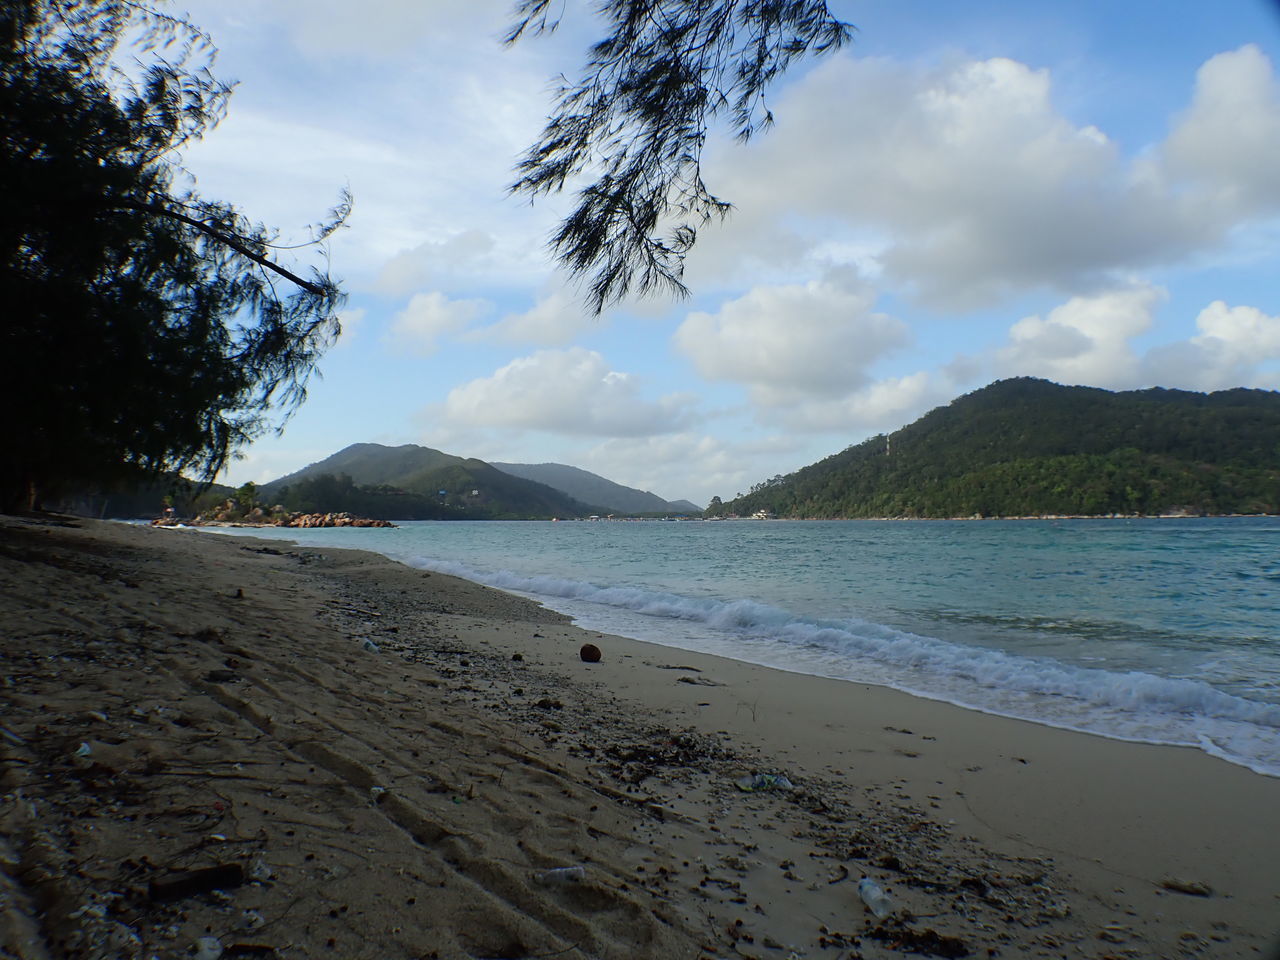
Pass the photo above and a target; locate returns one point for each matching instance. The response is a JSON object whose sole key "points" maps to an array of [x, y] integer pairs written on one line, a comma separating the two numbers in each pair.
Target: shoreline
{"points": [[919, 694], [191, 525], [1000, 834], [1125, 723], [1031, 516]]}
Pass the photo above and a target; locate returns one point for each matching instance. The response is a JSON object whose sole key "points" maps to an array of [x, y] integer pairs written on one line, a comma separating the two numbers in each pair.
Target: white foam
{"points": [[1130, 705]]}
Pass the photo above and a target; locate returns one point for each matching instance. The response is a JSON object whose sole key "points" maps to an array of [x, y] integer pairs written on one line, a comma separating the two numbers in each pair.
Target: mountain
{"points": [[1028, 447], [373, 463], [592, 488], [417, 483], [684, 506]]}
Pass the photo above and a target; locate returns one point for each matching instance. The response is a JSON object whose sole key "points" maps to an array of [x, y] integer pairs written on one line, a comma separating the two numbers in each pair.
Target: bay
{"points": [[1162, 630]]}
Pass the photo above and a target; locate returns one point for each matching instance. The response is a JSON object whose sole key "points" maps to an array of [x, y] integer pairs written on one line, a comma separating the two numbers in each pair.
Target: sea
{"points": [[1155, 630]]}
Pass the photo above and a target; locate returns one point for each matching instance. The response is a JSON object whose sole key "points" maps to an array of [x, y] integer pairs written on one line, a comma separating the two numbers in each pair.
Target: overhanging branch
{"points": [[230, 240]]}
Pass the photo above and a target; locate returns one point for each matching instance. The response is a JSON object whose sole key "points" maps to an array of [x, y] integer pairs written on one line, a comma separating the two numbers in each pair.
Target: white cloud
{"points": [[287, 172], [790, 342], [1089, 340], [880, 406], [265, 461], [556, 319], [423, 116], [1083, 341], [467, 252], [565, 392], [428, 317], [1229, 139], [1246, 331], [974, 186], [661, 465], [692, 466], [1229, 351]]}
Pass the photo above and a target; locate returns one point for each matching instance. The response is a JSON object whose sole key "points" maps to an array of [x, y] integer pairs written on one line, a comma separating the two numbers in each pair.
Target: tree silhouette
{"points": [[153, 330], [638, 117], [148, 328]]}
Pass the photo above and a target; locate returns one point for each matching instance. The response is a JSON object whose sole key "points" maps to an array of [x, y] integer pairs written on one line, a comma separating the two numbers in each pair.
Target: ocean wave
{"points": [[1129, 705]]}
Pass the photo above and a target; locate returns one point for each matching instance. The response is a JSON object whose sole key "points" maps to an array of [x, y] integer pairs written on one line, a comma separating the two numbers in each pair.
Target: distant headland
{"points": [[1031, 448]]}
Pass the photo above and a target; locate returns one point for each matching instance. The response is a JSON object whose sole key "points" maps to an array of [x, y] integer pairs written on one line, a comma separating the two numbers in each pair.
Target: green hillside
{"points": [[416, 483], [373, 463], [1028, 447]]}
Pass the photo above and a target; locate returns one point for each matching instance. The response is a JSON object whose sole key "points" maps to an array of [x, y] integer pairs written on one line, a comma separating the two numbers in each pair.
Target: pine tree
{"points": [[638, 118], [147, 327]]}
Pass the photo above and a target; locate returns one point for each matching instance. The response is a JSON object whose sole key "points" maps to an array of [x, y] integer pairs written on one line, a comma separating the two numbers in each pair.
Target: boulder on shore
{"points": [[257, 518], [333, 520]]}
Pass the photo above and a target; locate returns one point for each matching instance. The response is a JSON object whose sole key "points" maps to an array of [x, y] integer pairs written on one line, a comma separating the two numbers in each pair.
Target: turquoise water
{"points": [[1165, 631]]}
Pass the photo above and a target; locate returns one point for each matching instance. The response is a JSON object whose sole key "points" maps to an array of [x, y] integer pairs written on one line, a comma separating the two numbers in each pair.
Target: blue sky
{"points": [[1081, 191]]}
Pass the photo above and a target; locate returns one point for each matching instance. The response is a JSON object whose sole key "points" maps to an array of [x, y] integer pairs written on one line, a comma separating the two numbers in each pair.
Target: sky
{"points": [[1083, 191]]}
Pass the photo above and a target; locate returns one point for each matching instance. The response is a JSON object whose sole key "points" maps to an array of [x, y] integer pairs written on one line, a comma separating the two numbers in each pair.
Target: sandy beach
{"points": [[217, 746]]}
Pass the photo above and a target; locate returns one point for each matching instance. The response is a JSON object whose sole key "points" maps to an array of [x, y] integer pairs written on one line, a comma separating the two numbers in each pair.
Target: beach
{"points": [[303, 752]]}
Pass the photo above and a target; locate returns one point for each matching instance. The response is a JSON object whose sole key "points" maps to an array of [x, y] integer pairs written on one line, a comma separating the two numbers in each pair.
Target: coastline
{"points": [[1029, 516], [996, 834], [194, 524]]}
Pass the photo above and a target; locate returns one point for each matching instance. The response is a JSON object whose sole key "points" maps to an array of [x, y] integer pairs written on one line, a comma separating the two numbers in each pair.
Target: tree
{"points": [[148, 328], [638, 119], [247, 497], [152, 330]]}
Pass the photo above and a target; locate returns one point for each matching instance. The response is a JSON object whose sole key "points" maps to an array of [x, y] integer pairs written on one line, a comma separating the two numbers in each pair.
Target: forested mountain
{"points": [[684, 506], [410, 482], [1028, 447], [372, 463], [589, 487], [407, 482]]}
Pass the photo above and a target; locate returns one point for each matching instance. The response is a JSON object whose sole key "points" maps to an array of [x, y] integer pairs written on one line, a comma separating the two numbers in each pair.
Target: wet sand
{"points": [[304, 752]]}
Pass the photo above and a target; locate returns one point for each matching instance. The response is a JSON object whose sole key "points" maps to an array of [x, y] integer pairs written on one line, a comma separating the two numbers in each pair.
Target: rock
{"points": [[590, 653], [333, 520], [1192, 888]]}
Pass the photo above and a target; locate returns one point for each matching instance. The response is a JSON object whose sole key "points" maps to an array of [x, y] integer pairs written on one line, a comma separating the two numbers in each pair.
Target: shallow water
{"points": [[1159, 630]]}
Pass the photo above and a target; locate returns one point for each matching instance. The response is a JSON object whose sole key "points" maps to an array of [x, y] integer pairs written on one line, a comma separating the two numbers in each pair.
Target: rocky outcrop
{"points": [[332, 520], [227, 516]]}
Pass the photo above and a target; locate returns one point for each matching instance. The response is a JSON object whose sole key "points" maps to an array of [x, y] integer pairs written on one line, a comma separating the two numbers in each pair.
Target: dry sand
{"points": [[383, 762]]}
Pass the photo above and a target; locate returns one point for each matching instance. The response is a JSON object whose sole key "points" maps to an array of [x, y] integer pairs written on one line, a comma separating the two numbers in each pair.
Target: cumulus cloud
{"points": [[1229, 351], [1085, 340], [977, 187], [880, 406], [556, 319], [1229, 138], [790, 342], [1089, 340], [570, 391], [428, 317]]}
